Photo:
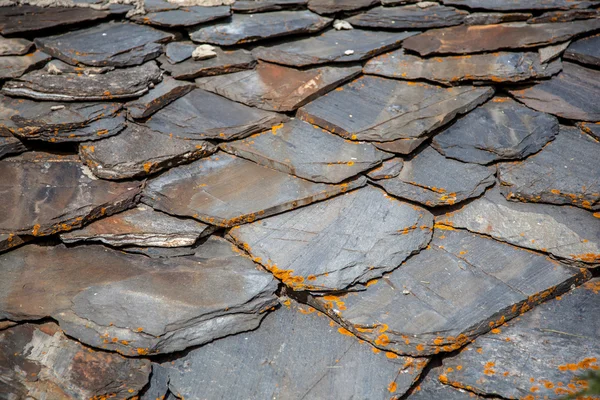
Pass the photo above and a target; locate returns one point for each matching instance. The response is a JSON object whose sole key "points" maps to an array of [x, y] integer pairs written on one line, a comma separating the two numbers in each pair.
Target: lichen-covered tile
{"points": [[226, 62], [389, 169], [187, 16], [162, 94], [14, 46], [585, 51], [409, 17], [254, 6], [512, 5], [15, 66]]}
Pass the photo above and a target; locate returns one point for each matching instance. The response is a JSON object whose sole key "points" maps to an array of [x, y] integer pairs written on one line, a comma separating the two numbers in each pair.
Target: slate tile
{"points": [[9, 241], [382, 110], [592, 129], [496, 68], [244, 28], [226, 61], [401, 146], [433, 180], [566, 171], [483, 18], [501, 129], [177, 52], [564, 16], [114, 44], [409, 17], [550, 52], [389, 169], [256, 6], [14, 47], [187, 16], [465, 39], [585, 51], [277, 88], [566, 95], [203, 115], [60, 195], [544, 353], [332, 46], [331, 245], [336, 6], [27, 19], [513, 5], [153, 6], [133, 304], [431, 388], [15, 66], [39, 361], [138, 152], [224, 190], [567, 233], [162, 94], [444, 297], [9, 144]]}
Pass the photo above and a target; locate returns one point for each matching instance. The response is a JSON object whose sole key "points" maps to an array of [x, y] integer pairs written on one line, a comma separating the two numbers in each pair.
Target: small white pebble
{"points": [[405, 292], [339, 25], [349, 52]]}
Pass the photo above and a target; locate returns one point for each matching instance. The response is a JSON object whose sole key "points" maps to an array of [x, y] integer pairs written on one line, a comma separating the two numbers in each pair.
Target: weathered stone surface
{"points": [[224, 190], [9, 144], [401, 146], [332, 245], [79, 86], [550, 52], [177, 52], [336, 6], [434, 180], [444, 297], [253, 6], [39, 361], [164, 93], [382, 110], [564, 16], [267, 363], [566, 95], [14, 47], [139, 151], [409, 17], [565, 232], [225, 62], [465, 39], [451, 70], [566, 171], [277, 88], [60, 195], [501, 129], [332, 46], [203, 115], [431, 388], [585, 51], [592, 129], [244, 28], [9, 241], [389, 169], [26, 18], [15, 66], [513, 5], [544, 353], [115, 44], [188, 16], [495, 18]]}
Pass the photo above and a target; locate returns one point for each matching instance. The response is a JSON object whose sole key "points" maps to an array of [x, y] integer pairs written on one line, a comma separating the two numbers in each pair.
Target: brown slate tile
{"points": [[226, 62], [483, 18], [409, 17], [9, 144], [564, 16]]}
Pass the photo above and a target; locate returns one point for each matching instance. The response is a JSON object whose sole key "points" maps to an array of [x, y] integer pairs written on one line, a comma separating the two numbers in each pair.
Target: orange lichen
{"points": [[275, 128], [391, 355], [345, 331], [392, 387], [382, 340]]}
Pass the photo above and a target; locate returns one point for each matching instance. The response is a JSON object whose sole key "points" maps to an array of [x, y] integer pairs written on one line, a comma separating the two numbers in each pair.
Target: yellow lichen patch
{"points": [[488, 368], [420, 347], [371, 282], [391, 355], [334, 302], [496, 331], [142, 351], [382, 340], [345, 331], [275, 128], [585, 364], [147, 167], [443, 227], [383, 328], [375, 350], [287, 303], [35, 230], [392, 387]]}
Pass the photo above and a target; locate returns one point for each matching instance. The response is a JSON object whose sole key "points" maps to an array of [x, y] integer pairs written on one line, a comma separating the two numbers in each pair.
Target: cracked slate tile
{"points": [[255, 6], [176, 52], [389, 169], [332, 245], [226, 61], [566, 95], [204, 115], [15, 66], [133, 304], [544, 353], [332, 46], [277, 88], [383, 110], [409, 17], [585, 51], [225, 190], [465, 39], [184, 17], [14, 46], [564, 16], [110, 44], [567, 233], [431, 388], [266, 363], [451, 70], [39, 361], [433, 180], [9, 144], [335, 6], [245, 28], [483, 18], [298, 148], [158, 97], [566, 171], [60, 194], [460, 287], [592, 129], [501, 129], [514, 5]]}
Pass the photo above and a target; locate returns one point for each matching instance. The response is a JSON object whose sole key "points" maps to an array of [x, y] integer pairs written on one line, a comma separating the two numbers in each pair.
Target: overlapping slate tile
{"points": [[512, 5], [139, 151], [501, 129], [226, 61], [295, 353], [564, 16], [9, 144], [60, 195], [244, 28], [431, 388], [585, 51], [465, 39], [383, 110], [444, 297], [187, 16], [277, 88], [164, 93], [224, 190], [39, 361], [153, 6], [176, 52], [15, 66], [451, 70], [401, 146], [482, 18], [566, 95], [545, 353], [14, 47], [253, 6], [114, 44], [551, 52], [332, 245], [203, 115], [9, 241], [409, 17], [566, 171], [336, 6], [592, 129], [134, 304], [332, 46], [431, 179], [566, 232], [389, 169]]}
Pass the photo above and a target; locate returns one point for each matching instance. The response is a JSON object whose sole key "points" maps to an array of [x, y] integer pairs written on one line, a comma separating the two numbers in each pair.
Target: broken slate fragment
{"points": [[15, 66], [275, 87], [566, 171], [9, 144], [255, 6], [551, 52], [133, 304], [162, 94], [225, 62], [26, 19], [114, 44], [389, 169], [39, 361], [501, 129], [188, 16], [592, 129], [409, 17], [459, 288], [177, 52], [10, 241], [564, 16], [244, 28], [14, 47], [585, 51], [224, 190], [495, 18], [383, 110], [336, 6], [514, 5]]}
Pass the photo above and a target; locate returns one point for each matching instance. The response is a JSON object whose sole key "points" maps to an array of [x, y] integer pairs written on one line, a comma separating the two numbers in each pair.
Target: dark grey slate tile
{"points": [[409, 17]]}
